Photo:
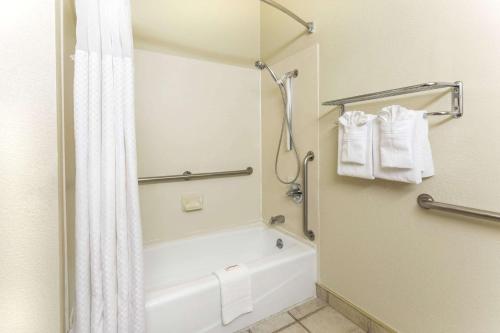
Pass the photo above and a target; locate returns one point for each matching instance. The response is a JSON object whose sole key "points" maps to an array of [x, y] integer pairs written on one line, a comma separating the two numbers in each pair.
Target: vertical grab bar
{"points": [[308, 233]]}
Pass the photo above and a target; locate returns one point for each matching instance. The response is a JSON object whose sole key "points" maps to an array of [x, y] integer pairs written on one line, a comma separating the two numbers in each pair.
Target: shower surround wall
{"points": [[199, 116], [305, 130], [415, 270]]}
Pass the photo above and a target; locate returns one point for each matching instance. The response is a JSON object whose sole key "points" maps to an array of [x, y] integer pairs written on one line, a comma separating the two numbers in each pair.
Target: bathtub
{"points": [[182, 294]]}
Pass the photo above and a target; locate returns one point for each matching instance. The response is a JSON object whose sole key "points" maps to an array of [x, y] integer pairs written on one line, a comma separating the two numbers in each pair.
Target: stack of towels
{"points": [[394, 145]]}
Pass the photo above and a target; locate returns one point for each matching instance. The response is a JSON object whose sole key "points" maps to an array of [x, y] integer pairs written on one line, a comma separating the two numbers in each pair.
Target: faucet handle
{"points": [[278, 219], [295, 192]]}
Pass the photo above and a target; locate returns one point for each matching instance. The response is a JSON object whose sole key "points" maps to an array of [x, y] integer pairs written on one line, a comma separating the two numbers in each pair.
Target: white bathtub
{"points": [[182, 296]]}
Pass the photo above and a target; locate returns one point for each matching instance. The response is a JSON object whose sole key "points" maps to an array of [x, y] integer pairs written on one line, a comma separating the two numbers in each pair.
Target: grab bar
{"points": [[187, 175], [308, 233], [427, 202]]}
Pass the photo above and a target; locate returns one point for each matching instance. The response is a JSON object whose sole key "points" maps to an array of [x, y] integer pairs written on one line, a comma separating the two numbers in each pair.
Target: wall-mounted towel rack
{"points": [[187, 175], [457, 107], [426, 201]]}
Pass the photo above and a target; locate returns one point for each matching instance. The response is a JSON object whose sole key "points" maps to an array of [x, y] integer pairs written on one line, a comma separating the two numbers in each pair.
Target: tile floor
{"points": [[315, 316]]}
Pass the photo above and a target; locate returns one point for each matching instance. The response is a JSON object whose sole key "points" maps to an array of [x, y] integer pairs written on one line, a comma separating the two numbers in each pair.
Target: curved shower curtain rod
{"points": [[309, 25]]}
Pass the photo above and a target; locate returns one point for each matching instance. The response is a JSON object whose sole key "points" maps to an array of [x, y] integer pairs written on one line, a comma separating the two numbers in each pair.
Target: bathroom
{"points": [[230, 170]]}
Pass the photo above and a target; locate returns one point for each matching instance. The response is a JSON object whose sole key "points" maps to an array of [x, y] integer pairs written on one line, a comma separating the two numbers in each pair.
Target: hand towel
{"points": [[235, 292], [353, 137], [354, 143], [422, 154], [396, 137]]}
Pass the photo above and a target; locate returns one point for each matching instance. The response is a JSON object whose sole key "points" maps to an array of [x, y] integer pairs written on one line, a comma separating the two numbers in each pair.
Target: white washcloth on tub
{"points": [[235, 292], [355, 156], [422, 154], [397, 139]]}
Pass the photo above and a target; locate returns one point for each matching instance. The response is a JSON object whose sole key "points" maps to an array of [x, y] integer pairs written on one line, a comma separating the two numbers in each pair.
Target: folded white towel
{"points": [[421, 148], [354, 143], [396, 137], [355, 156], [235, 292]]}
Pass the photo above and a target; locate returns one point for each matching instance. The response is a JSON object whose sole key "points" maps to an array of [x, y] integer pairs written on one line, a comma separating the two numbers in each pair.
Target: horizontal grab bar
{"points": [[426, 201], [187, 175]]}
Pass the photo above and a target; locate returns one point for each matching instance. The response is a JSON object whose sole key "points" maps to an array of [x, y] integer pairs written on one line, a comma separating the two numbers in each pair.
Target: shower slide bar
{"points": [[457, 105], [427, 202], [309, 25], [187, 175]]}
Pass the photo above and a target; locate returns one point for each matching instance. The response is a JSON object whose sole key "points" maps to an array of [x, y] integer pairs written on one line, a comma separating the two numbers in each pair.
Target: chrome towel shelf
{"points": [[187, 175], [427, 202], [457, 106]]}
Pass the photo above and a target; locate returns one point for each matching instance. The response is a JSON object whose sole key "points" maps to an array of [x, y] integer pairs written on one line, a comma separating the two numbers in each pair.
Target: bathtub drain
{"points": [[279, 243]]}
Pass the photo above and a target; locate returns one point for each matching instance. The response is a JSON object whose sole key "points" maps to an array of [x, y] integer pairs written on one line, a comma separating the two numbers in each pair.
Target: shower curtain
{"points": [[109, 269]]}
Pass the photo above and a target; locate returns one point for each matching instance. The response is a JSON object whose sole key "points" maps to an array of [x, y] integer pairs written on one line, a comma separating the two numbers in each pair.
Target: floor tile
{"points": [[295, 328], [328, 320], [272, 323], [306, 308]]}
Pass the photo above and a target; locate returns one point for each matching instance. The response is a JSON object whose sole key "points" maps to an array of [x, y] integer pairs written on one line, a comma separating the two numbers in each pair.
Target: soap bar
{"points": [[191, 202]]}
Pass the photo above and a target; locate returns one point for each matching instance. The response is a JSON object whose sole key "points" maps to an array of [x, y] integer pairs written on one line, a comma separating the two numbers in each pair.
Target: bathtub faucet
{"points": [[278, 219], [295, 193]]}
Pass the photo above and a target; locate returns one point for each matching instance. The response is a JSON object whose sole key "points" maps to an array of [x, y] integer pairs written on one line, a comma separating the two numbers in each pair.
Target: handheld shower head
{"points": [[260, 65]]}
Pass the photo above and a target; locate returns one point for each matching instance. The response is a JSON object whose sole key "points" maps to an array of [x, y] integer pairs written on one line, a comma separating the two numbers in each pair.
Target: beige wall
{"points": [[29, 210], [417, 271], [199, 116], [225, 31], [305, 129]]}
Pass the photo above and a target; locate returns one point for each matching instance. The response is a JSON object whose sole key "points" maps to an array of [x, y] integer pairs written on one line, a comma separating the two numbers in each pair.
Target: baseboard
{"points": [[366, 321]]}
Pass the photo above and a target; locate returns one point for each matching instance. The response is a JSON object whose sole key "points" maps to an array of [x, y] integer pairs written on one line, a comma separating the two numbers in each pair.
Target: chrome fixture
{"points": [[295, 193], [457, 104], [308, 233], [427, 202], [278, 219], [309, 25], [187, 175], [279, 243], [285, 85]]}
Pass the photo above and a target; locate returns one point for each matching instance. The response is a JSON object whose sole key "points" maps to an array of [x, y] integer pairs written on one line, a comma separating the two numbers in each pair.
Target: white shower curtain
{"points": [[109, 267]]}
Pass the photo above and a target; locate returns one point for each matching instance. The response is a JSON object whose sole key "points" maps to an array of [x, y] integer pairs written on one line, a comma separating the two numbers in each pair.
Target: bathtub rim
{"points": [[253, 225]]}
